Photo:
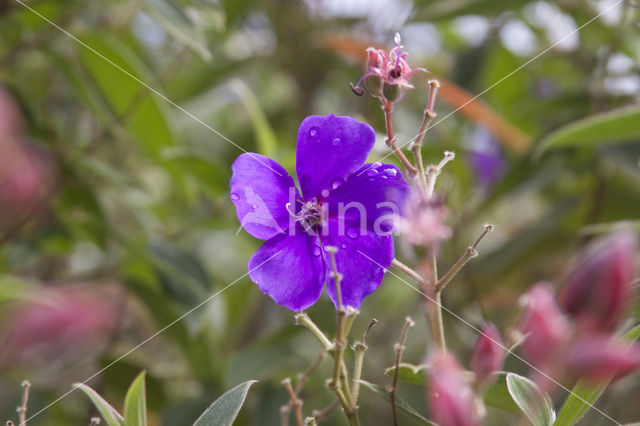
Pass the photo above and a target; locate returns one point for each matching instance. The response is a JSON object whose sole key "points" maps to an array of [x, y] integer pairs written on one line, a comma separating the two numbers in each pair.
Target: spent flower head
{"points": [[387, 74]]}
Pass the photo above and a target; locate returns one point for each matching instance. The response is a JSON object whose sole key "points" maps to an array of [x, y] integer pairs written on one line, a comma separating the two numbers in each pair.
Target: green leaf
{"points": [[108, 413], [135, 403], [533, 403], [141, 112], [613, 126], [400, 403], [497, 395], [224, 410], [178, 25], [265, 136], [584, 395], [411, 373]]}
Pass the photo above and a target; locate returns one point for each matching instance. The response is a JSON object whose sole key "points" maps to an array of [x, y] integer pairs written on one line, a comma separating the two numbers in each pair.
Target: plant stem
{"points": [[304, 320], [22, 409], [468, 254], [407, 270], [360, 348], [340, 383], [387, 107], [295, 401], [429, 115], [320, 415], [399, 347]]}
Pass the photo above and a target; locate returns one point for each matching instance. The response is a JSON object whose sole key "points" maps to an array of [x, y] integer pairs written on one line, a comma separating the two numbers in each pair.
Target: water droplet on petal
{"points": [[352, 233], [313, 131], [324, 193], [335, 141], [255, 206], [343, 245], [384, 270], [372, 173], [234, 196], [376, 165], [391, 172], [336, 183], [316, 251]]}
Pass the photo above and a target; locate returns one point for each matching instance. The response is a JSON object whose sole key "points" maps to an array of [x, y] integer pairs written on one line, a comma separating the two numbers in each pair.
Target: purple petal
{"points": [[289, 269], [329, 149], [361, 259], [370, 199], [260, 190]]}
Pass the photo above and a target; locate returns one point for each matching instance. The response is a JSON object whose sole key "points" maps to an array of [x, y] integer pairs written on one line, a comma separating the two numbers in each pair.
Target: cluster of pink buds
{"points": [[387, 76], [579, 342], [28, 174]]}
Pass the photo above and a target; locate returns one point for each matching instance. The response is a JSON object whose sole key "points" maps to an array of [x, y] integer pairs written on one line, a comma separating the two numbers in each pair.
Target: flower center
{"points": [[310, 215]]}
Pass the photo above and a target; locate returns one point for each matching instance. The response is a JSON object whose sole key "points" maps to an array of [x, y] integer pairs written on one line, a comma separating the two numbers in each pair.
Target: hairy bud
{"points": [[488, 354], [598, 291]]}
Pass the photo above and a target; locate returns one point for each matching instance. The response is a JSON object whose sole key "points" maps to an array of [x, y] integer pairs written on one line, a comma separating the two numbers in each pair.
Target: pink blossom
{"points": [[599, 290], [54, 324], [488, 354], [599, 357], [546, 329], [451, 399]]}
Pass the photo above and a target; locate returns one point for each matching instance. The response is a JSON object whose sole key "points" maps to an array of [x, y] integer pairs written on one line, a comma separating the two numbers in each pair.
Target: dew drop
{"points": [[313, 131], [336, 183], [372, 173], [324, 193], [343, 245], [234, 196], [335, 141], [316, 251], [255, 206], [352, 233], [376, 165], [391, 172]]}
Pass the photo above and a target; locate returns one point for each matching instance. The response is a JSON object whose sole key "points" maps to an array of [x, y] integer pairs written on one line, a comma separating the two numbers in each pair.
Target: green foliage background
{"points": [[144, 196]]}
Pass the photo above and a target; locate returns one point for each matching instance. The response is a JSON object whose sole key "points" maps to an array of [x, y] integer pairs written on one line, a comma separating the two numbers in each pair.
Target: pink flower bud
{"points": [[488, 354], [28, 182], [61, 324], [599, 357], [11, 123], [451, 399], [545, 327], [599, 290]]}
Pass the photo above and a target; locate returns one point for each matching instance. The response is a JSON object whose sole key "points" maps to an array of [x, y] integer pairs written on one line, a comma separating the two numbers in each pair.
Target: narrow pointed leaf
{"points": [[224, 410], [108, 413], [613, 126], [584, 395], [135, 403], [400, 403], [533, 403]]}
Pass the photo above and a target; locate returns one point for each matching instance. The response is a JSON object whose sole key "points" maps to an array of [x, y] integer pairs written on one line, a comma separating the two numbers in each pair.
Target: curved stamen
{"points": [[288, 207]]}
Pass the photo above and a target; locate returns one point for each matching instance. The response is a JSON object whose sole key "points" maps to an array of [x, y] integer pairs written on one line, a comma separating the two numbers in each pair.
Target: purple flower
{"points": [[342, 203]]}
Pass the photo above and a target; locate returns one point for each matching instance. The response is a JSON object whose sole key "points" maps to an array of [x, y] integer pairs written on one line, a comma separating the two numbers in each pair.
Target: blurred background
{"points": [[114, 211]]}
